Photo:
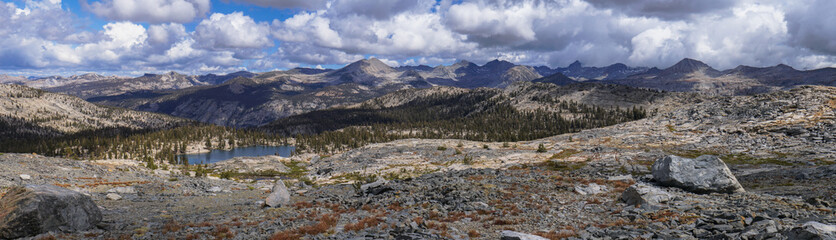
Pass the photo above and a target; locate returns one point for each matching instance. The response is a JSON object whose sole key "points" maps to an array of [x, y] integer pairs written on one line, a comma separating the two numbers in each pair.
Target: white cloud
{"points": [[496, 25], [234, 30], [658, 46], [151, 11], [752, 34], [166, 34], [305, 27]]}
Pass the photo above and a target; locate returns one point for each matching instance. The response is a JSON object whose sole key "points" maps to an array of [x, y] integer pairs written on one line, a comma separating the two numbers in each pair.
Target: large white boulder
{"points": [[279, 197]]}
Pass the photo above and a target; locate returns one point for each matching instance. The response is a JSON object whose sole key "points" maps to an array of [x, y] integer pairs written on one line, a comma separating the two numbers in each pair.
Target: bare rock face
{"points": [[35, 209], [704, 174], [279, 197]]}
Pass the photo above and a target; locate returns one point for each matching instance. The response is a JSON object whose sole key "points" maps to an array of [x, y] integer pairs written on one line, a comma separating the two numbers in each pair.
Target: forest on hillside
{"points": [[479, 116], [150, 146]]}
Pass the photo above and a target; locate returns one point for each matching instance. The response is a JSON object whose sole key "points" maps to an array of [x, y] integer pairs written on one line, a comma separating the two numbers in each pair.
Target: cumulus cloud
{"points": [[234, 30], [753, 34], [151, 11], [419, 31]]}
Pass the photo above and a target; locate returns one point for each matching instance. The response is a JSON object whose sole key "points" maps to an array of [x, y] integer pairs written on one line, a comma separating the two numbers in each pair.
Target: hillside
{"points": [[523, 111], [25, 110]]}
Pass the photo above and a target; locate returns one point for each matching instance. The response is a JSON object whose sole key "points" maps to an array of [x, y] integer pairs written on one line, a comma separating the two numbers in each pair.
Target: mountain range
{"points": [[690, 75], [253, 99]]}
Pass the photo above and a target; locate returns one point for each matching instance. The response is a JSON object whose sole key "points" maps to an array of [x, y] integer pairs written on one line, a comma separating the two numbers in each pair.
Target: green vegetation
{"points": [[467, 160], [564, 166], [442, 148], [740, 158], [565, 153], [296, 170], [541, 148]]}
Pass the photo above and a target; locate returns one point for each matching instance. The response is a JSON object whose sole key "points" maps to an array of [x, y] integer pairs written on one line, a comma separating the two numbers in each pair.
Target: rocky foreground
{"points": [[544, 200], [772, 178]]}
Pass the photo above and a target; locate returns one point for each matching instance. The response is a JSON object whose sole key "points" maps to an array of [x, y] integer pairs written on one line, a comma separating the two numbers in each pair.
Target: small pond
{"points": [[253, 151]]}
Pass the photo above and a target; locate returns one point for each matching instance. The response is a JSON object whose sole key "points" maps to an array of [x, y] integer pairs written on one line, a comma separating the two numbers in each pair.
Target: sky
{"points": [[131, 37]]}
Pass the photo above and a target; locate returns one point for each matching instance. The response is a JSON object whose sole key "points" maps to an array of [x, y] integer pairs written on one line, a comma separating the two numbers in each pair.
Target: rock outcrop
{"points": [[35, 209], [704, 174]]}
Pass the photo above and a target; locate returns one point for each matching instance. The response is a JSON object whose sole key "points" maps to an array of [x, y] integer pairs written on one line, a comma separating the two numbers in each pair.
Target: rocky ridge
{"points": [[27, 110]]}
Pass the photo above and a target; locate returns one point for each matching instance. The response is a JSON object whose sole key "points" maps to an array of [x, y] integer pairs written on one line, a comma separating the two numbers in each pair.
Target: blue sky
{"points": [[131, 37]]}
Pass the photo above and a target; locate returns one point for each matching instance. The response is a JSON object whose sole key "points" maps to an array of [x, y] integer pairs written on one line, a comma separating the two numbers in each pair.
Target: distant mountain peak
{"points": [[618, 65], [575, 65], [784, 67], [370, 66], [688, 65], [497, 64]]}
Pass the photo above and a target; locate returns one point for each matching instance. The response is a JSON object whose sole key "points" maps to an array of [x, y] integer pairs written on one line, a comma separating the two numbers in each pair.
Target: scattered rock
{"points": [[704, 174], [592, 188], [25, 177], [511, 235], [113, 196], [123, 190], [813, 230], [621, 178], [35, 209], [214, 189], [280, 196], [645, 195]]}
